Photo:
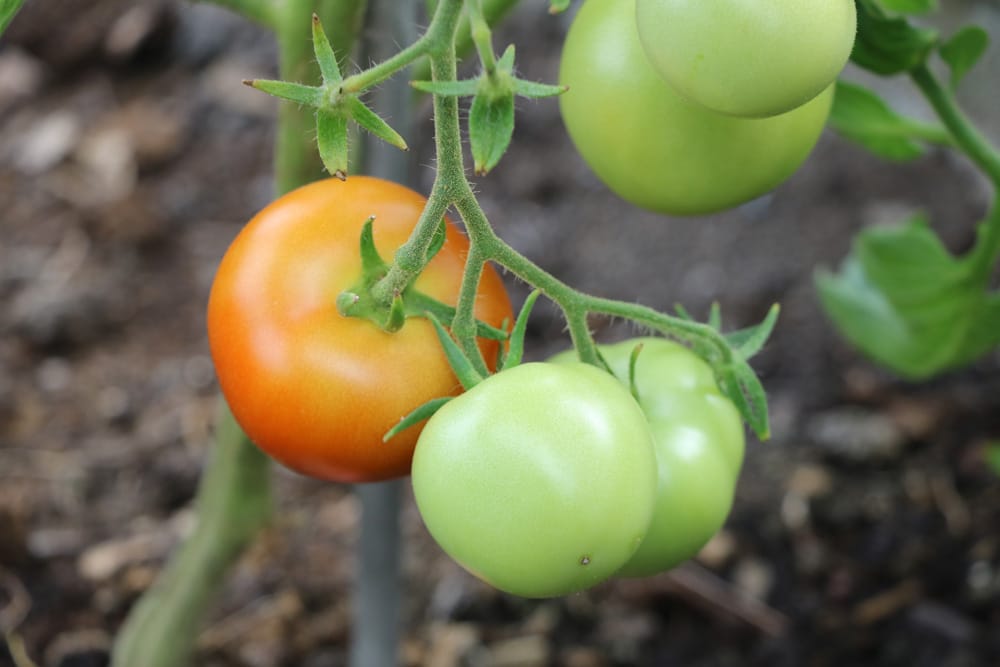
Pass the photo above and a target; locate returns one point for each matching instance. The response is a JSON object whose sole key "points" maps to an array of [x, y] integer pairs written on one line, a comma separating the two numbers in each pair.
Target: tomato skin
{"points": [[654, 148], [540, 480], [753, 58], [312, 388], [699, 444]]}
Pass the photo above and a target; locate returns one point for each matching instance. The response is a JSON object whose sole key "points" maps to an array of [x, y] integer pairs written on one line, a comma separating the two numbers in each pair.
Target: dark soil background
{"points": [[864, 533]]}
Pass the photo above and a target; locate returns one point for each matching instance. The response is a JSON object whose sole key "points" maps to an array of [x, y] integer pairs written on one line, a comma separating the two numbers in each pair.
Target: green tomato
{"points": [[751, 58], [699, 441], [540, 480], [653, 147]]}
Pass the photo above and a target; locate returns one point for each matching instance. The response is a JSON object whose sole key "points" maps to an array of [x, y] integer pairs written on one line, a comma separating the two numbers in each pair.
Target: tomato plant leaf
{"points": [[325, 56], [423, 413], [331, 139], [862, 116], [907, 303], [311, 96], [460, 364], [748, 342], [465, 88], [963, 51], [889, 44], [8, 8], [515, 351], [491, 126], [372, 122]]}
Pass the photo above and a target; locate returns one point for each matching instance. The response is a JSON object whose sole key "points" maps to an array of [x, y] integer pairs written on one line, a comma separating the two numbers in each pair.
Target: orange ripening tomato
{"points": [[312, 388]]}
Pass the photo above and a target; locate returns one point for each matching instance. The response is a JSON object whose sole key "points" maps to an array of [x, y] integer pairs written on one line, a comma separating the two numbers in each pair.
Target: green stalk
{"points": [[968, 138]]}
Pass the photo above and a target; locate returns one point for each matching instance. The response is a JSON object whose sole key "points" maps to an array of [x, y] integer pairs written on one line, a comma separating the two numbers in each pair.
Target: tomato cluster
{"points": [[548, 478], [692, 107]]}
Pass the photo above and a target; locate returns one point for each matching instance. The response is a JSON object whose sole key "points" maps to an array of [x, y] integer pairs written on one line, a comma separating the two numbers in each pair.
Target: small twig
{"points": [[709, 592]]}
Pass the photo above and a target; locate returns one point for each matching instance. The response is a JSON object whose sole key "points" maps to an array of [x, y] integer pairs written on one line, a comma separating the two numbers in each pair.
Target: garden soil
{"points": [[865, 532]]}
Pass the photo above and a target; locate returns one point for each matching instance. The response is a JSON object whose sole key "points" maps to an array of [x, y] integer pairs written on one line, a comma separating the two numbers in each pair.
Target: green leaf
{"points": [[748, 342], [491, 126], [371, 121], [515, 351], [465, 88], [8, 9], [311, 96], [907, 303], [460, 364], [963, 51], [324, 54], [862, 116], [331, 138], [424, 412], [506, 62], [889, 45]]}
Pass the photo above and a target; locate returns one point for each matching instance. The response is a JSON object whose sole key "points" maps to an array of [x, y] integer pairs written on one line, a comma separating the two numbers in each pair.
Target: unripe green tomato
{"points": [[654, 148], [540, 480], [699, 441], [751, 58]]}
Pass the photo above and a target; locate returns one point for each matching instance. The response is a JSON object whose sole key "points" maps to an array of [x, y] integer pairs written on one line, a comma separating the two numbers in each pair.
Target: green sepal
{"points": [[424, 412], [506, 62], [889, 44], [373, 267], [491, 126], [683, 313], [907, 303], [515, 349], [537, 90], [311, 96], [862, 116], [749, 341], [325, 56], [397, 315], [460, 364], [419, 303], [715, 316], [347, 303], [372, 122], [331, 140], [437, 241], [742, 386], [632, 359], [963, 51], [465, 88], [558, 6]]}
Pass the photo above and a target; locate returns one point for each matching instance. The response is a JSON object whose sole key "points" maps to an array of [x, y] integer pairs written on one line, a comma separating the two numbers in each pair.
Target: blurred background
{"points": [[864, 533]]}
